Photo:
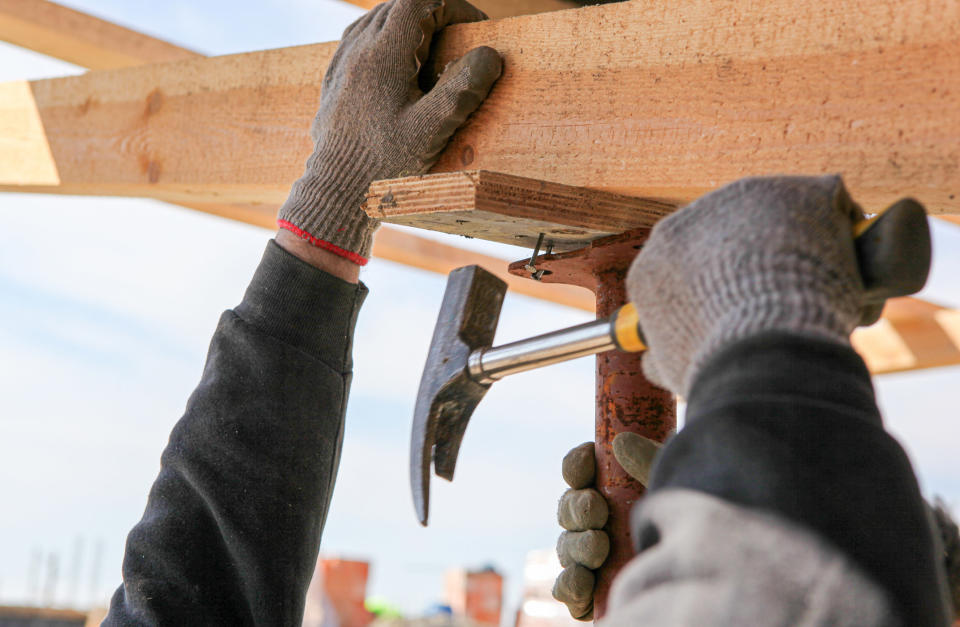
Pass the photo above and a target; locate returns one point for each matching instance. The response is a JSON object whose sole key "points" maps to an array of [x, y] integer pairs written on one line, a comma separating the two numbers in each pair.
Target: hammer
{"points": [[893, 254]]}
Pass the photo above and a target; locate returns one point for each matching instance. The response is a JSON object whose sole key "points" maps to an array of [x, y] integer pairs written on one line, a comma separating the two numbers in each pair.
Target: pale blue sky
{"points": [[106, 308]]}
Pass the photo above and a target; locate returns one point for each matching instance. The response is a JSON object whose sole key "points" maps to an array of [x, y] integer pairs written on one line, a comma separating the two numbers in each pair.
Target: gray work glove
{"points": [[761, 254], [375, 122], [584, 546]]}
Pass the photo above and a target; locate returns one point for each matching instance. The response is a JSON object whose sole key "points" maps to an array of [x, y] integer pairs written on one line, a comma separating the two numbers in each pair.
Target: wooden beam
{"points": [[641, 98], [912, 335], [81, 39], [510, 209], [500, 8]]}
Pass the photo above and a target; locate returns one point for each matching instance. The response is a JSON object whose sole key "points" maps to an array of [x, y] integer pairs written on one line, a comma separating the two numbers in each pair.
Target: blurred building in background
{"points": [[25, 616], [475, 594], [538, 608]]}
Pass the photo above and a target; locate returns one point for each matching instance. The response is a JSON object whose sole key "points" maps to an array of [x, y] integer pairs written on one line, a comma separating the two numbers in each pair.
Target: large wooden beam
{"points": [[81, 39], [642, 98]]}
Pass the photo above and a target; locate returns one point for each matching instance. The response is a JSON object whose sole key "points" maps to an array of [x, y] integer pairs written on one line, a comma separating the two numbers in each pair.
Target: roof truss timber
{"points": [[134, 125], [81, 39]]}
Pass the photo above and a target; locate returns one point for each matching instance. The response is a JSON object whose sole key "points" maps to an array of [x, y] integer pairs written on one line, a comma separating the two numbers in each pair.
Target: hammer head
{"points": [[447, 397]]}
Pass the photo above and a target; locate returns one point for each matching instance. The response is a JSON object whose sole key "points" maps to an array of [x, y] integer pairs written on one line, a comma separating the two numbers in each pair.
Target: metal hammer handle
{"points": [[893, 253]]}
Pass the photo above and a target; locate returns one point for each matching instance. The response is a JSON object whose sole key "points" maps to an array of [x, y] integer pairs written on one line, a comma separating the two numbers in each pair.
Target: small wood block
{"points": [[510, 209]]}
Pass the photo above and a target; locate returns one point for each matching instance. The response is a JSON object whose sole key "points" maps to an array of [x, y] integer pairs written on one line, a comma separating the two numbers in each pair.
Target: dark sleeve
{"points": [[789, 425], [232, 526]]}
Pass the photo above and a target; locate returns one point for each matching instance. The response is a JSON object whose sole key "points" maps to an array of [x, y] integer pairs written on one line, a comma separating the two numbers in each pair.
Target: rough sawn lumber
{"points": [[510, 209], [644, 98]]}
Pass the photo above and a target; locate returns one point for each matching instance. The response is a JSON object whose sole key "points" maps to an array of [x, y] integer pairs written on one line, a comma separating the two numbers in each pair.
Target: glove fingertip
{"points": [[486, 63], [582, 612], [460, 12], [460, 90], [579, 466], [574, 585], [635, 454]]}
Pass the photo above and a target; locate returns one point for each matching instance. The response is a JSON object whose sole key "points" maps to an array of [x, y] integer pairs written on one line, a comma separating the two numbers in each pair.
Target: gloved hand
{"points": [[584, 546], [375, 122], [761, 254]]}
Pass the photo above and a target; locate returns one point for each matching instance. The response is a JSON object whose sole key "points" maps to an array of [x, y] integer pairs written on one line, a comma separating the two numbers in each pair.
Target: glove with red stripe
{"points": [[376, 122]]}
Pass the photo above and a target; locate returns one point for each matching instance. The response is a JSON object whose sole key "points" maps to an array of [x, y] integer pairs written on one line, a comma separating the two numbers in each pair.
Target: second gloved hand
{"points": [[759, 255], [582, 512], [375, 121]]}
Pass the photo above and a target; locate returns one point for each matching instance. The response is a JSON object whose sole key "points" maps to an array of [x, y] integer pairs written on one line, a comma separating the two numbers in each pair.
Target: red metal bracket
{"points": [[626, 401]]}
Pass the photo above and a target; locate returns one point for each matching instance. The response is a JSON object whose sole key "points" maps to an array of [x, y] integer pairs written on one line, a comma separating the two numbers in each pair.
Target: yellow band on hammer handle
{"points": [[625, 329], [861, 226]]}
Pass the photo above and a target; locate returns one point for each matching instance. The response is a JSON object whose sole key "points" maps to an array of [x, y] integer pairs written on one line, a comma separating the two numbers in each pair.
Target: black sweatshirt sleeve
{"points": [[788, 425], [232, 526]]}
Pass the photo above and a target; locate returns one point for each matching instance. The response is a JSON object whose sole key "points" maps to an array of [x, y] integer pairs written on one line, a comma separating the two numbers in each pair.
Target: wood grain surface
{"points": [[652, 100], [510, 209]]}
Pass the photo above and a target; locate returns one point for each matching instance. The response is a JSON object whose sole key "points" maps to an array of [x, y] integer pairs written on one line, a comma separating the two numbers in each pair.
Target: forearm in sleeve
{"points": [[784, 449], [232, 525]]}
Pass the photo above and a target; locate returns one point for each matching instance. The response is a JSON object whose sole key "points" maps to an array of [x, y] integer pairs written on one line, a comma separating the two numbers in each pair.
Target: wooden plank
{"points": [[79, 38], [500, 8], [912, 335], [142, 123], [510, 209], [641, 98]]}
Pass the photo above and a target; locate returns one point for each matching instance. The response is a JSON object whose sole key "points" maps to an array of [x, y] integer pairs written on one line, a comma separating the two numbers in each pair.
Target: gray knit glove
{"points": [[375, 122], [583, 511], [761, 254]]}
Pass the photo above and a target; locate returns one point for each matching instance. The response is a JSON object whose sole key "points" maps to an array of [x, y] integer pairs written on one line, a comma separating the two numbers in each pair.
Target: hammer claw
{"points": [[447, 396]]}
